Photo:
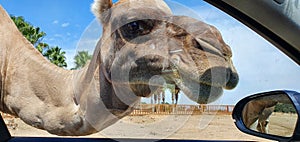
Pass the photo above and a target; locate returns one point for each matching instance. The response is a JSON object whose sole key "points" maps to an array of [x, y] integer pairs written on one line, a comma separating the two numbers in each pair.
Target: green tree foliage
{"points": [[35, 36], [285, 108], [56, 56], [81, 58]]}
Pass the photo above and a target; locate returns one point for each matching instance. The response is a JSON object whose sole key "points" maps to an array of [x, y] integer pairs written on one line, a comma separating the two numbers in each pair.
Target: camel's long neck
{"points": [[63, 102], [25, 74]]}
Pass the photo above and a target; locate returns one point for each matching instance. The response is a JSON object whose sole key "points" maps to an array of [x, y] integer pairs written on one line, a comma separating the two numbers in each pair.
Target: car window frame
{"points": [[238, 12]]}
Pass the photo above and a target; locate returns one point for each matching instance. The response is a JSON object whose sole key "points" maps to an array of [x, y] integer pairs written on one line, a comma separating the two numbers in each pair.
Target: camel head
{"points": [[144, 45]]}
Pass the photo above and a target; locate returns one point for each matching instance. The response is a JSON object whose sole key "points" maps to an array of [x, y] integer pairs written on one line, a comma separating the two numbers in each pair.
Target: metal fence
{"points": [[166, 109]]}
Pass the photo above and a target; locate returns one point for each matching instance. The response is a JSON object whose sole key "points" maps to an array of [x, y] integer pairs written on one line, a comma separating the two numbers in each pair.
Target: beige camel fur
{"points": [[141, 39], [263, 120]]}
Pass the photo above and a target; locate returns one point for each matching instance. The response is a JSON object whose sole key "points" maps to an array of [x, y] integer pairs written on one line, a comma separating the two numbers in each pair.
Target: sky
{"points": [[70, 25]]}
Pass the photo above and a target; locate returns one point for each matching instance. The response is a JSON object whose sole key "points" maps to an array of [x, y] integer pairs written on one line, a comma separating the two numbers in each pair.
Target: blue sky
{"points": [[62, 20], [70, 25]]}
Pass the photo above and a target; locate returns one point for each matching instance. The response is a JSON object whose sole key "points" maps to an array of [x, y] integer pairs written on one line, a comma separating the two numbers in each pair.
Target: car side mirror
{"points": [[272, 115]]}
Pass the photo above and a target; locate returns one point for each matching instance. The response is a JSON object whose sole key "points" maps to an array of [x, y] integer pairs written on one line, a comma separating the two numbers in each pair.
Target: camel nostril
{"points": [[78, 122], [233, 79], [197, 44], [154, 59]]}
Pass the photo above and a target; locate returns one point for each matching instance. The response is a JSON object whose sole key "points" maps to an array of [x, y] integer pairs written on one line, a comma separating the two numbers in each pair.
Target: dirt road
{"points": [[204, 127]]}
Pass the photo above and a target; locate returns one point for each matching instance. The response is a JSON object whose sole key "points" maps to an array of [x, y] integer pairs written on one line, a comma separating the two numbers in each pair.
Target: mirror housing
{"points": [[263, 104]]}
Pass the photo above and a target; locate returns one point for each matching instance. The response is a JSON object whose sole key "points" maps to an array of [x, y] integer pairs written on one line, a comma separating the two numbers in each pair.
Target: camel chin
{"points": [[141, 85], [201, 93]]}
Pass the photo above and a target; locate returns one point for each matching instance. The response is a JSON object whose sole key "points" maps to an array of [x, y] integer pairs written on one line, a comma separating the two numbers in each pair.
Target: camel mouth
{"points": [[201, 93], [195, 87], [204, 87], [144, 78]]}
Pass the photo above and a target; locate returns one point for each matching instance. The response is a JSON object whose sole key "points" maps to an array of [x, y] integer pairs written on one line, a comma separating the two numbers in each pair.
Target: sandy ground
{"points": [[204, 127], [282, 124]]}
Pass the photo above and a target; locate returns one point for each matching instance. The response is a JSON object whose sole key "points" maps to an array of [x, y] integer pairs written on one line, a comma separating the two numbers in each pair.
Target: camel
{"points": [[159, 95], [156, 98], [257, 112], [262, 122], [175, 95], [140, 39], [264, 119]]}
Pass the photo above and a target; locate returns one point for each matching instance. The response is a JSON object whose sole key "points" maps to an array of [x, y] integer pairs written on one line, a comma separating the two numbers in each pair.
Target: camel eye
{"points": [[134, 27], [137, 28]]}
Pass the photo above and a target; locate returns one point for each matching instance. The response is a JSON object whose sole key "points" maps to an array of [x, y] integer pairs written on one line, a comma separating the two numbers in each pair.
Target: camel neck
{"points": [[26, 76]]}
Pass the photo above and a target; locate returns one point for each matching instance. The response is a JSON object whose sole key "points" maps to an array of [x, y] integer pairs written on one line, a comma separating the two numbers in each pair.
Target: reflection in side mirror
{"points": [[271, 115]]}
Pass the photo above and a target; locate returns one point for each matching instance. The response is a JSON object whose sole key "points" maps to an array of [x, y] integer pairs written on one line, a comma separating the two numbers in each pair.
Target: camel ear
{"points": [[100, 8]]}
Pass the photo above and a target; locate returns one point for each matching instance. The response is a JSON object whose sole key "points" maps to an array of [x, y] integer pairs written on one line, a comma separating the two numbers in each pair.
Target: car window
{"points": [[260, 65]]}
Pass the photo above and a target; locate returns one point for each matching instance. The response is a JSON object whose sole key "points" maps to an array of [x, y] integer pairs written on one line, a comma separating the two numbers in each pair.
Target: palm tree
{"points": [[81, 59], [31, 33], [57, 57], [35, 36]]}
